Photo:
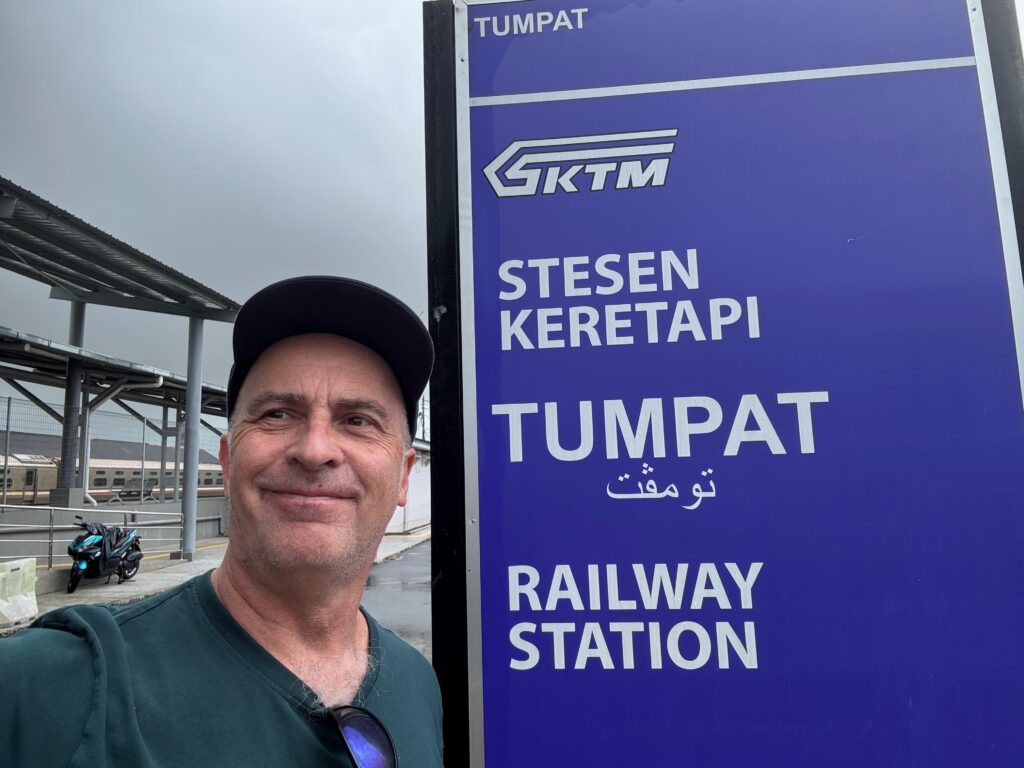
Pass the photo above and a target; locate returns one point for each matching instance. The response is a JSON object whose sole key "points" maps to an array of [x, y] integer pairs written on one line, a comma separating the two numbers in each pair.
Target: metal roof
{"points": [[47, 448], [24, 357], [82, 263]]}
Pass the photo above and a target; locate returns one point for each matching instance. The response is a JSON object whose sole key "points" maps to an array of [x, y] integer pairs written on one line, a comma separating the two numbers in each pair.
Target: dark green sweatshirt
{"points": [[175, 681]]}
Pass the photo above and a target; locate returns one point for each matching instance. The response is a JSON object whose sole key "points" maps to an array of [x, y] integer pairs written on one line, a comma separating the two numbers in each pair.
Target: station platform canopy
{"points": [[28, 358], [82, 263]]}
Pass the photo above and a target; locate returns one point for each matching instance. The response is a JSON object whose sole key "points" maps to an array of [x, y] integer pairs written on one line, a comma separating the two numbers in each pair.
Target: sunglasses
{"points": [[366, 740]]}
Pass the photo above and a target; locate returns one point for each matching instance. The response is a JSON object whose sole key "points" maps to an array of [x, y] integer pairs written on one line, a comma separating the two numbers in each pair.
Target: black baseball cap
{"points": [[338, 305]]}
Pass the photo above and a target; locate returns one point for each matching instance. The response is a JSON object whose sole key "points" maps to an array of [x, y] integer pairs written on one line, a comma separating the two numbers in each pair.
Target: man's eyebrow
{"points": [[375, 407], [368, 404]]}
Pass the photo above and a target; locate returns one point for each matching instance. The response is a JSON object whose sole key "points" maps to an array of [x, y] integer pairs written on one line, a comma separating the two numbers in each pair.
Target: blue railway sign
{"points": [[743, 328]]}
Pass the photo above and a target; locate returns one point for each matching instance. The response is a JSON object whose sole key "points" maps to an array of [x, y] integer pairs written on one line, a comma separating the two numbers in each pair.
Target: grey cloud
{"points": [[237, 142]]}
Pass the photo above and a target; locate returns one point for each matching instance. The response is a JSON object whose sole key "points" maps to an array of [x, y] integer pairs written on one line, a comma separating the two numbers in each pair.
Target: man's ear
{"points": [[403, 487]]}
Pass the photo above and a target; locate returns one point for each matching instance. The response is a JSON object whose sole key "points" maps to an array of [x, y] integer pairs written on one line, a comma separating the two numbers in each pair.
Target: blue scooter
{"points": [[103, 551]]}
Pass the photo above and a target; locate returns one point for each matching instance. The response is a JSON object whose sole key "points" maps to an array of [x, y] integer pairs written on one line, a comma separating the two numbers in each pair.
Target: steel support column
{"points": [[163, 457], [7, 449], [193, 405], [176, 493], [142, 467], [72, 410], [85, 449]]}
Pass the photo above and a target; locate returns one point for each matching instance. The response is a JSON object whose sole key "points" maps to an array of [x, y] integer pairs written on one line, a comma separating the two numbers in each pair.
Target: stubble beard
{"points": [[343, 554]]}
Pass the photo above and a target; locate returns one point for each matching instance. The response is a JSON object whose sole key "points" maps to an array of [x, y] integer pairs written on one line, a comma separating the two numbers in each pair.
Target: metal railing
{"points": [[14, 544]]}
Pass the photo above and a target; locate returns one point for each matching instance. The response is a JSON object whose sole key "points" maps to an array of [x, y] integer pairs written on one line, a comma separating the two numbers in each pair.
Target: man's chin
{"points": [[314, 555]]}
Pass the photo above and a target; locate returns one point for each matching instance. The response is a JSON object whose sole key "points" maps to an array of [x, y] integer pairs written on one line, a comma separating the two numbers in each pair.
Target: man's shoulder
{"points": [[70, 636], [87, 619], [403, 692], [40, 666], [398, 668], [18, 652], [81, 656], [398, 656]]}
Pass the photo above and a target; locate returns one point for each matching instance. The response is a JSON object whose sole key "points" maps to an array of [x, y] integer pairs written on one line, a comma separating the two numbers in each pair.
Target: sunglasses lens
{"points": [[368, 741]]}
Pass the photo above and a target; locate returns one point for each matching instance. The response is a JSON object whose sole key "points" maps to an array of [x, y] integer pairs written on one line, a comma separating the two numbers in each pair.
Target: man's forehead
{"points": [[319, 360]]}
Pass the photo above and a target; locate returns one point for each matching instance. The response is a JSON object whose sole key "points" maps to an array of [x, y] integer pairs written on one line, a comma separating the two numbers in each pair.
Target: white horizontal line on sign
{"points": [[724, 82]]}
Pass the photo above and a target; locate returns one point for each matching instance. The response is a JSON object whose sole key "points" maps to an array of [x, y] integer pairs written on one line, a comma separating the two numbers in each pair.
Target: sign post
{"points": [[742, 348]]}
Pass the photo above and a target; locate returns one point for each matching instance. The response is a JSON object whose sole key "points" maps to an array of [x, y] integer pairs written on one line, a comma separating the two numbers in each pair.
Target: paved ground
{"points": [[397, 593]]}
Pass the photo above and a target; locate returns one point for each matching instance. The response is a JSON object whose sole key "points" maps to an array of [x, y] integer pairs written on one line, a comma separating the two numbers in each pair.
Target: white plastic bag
{"points": [[18, 591]]}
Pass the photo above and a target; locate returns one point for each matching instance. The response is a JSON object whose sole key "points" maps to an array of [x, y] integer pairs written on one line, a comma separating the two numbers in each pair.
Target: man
{"points": [[248, 666]]}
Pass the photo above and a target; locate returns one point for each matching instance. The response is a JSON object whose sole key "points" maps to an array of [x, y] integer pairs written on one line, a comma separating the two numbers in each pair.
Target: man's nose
{"points": [[317, 444]]}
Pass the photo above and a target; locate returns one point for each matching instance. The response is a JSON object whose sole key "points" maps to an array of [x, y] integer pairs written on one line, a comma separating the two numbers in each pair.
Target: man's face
{"points": [[317, 460]]}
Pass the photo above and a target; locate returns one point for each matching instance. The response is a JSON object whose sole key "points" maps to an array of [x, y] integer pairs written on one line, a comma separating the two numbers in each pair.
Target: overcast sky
{"points": [[238, 142]]}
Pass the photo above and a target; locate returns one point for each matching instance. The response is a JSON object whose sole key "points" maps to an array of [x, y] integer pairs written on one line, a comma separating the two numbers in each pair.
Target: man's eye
{"points": [[358, 421], [275, 415]]}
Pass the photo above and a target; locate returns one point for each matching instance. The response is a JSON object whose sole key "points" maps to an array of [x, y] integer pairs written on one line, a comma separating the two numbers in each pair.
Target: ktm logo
{"points": [[609, 161]]}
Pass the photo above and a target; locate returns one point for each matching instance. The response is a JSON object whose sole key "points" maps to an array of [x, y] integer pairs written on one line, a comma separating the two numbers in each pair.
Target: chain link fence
{"points": [[124, 456]]}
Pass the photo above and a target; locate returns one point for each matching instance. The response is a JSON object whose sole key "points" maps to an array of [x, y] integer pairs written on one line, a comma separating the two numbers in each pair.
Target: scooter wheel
{"points": [[76, 576], [128, 570]]}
